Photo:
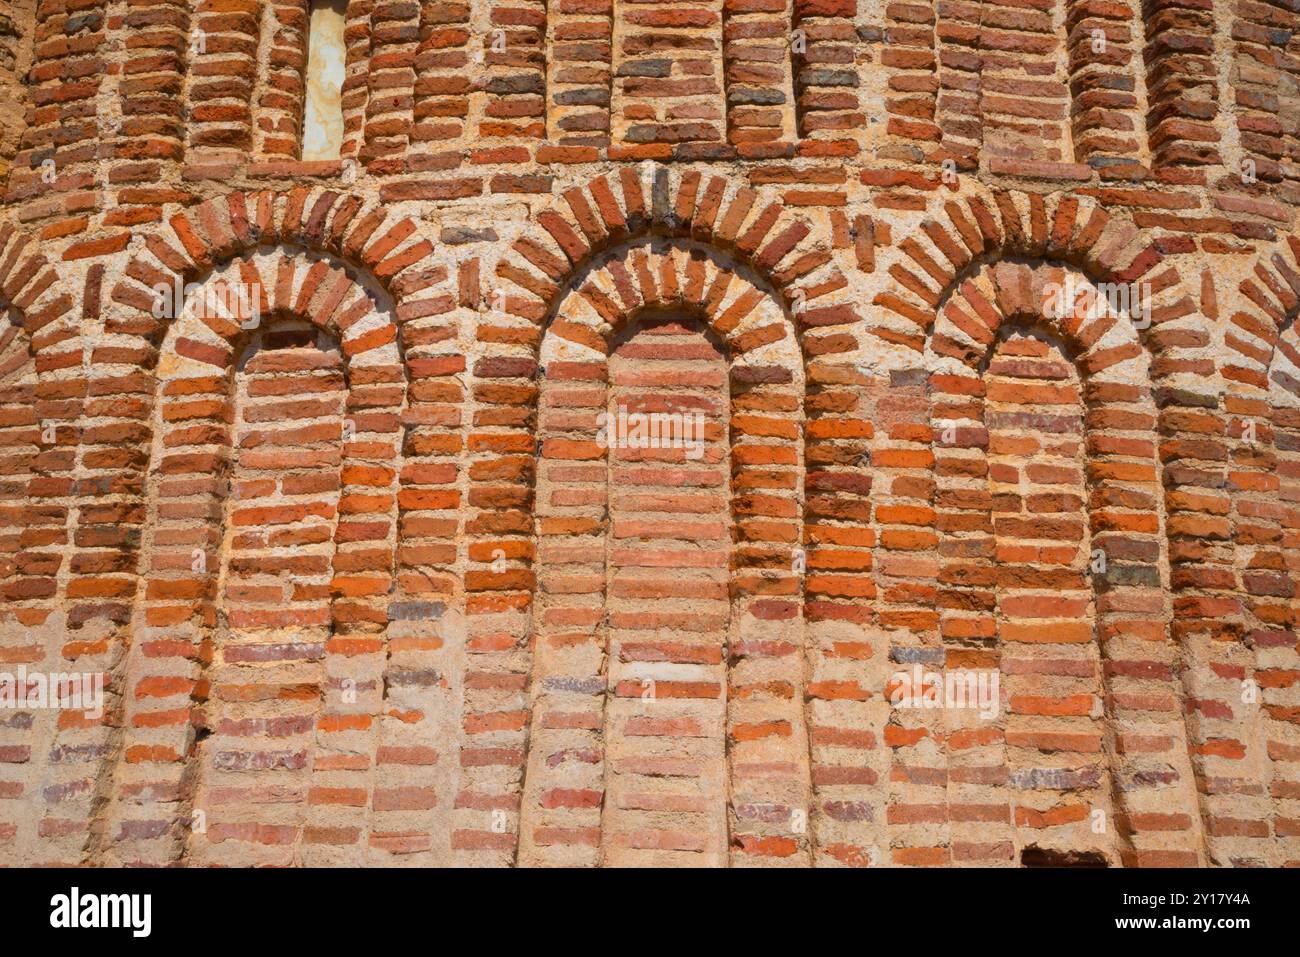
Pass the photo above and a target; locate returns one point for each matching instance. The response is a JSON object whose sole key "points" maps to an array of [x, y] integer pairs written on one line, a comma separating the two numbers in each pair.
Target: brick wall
{"points": [[987, 314], [16, 23]]}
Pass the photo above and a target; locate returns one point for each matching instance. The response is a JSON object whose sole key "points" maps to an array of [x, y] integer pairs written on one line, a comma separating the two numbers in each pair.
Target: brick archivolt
{"points": [[1272, 291], [356, 230], [185, 661], [753, 225], [740, 309], [31, 284], [976, 388], [741, 716], [964, 233]]}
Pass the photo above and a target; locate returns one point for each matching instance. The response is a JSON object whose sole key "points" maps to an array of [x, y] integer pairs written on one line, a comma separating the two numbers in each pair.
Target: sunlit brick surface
{"points": [[987, 310]]}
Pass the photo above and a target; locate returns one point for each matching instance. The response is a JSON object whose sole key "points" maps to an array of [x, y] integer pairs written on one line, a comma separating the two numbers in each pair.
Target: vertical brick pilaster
{"points": [[223, 55], [44, 399], [356, 73], [17, 43], [970, 502], [960, 62], [514, 51], [560, 820], [826, 72], [56, 175], [499, 582], [1024, 92], [1276, 655], [580, 78], [1261, 94], [442, 75], [150, 145], [1200, 442], [1107, 87], [1232, 759], [771, 795], [845, 648], [1182, 84], [76, 759], [394, 41], [179, 555], [909, 57], [669, 82], [282, 86], [417, 727], [758, 46], [912, 557]]}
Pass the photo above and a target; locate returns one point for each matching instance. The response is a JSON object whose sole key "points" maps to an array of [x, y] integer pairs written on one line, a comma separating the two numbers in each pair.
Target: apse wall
{"points": [[334, 336]]}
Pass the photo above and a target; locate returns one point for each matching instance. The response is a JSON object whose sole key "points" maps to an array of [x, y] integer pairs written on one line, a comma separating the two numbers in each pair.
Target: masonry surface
{"points": [[311, 460]]}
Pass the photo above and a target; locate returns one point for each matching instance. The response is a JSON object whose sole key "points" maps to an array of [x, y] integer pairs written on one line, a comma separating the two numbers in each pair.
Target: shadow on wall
{"points": [[17, 27]]}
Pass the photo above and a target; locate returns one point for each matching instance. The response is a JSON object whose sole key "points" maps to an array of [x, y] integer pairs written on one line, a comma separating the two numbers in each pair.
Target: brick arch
{"points": [[765, 381], [360, 237], [387, 256], [353, 274], [42, 398], [33, 297], [983, 226], [976, 229], [169, 666], [753, 226], [880, 523], [106, 507], [1143, 734], [1250, 753], [611, 214]]}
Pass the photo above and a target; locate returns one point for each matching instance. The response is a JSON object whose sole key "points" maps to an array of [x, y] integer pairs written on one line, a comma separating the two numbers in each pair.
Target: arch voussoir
{"points": [[752, 225], [986, 226]]}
